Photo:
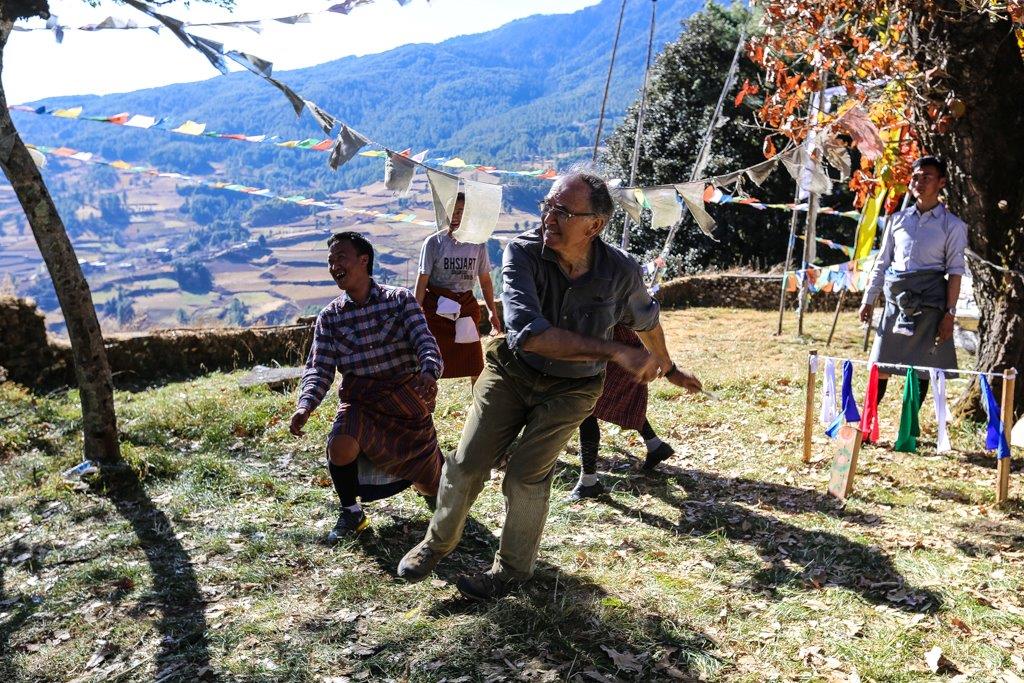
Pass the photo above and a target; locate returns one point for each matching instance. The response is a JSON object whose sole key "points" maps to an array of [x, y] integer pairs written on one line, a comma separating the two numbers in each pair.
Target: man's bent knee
{"points": [[342, 450]]}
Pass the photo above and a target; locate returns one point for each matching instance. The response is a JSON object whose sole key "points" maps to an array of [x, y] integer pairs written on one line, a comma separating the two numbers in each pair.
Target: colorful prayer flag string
{"points": [[848, 275], [197, 129], [256, 25], [690, 193], [299, 199], [833, 245]]}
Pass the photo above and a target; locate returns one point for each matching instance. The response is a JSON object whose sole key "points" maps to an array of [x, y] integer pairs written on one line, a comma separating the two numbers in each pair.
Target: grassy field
{"points": [[203, 558]]}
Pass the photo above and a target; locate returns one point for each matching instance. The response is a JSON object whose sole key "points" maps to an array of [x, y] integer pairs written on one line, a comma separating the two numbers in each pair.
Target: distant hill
{"points": [[526, 91]]}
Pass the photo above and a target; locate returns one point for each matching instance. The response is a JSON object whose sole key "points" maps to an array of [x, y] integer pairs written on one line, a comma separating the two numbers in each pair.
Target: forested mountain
{"points": [[526, 91]]}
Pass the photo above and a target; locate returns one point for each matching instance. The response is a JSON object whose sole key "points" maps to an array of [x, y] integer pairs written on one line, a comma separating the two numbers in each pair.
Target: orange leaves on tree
{"points": [[769, 148], [863, 185], [858, 44], [747, 89], [1015, 8]]}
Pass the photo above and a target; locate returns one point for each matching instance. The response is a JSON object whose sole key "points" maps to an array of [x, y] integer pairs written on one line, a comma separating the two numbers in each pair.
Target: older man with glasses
{"points": [[564, 290]]}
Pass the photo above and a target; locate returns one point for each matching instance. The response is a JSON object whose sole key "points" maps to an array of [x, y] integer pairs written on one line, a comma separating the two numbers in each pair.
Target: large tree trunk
{"points": [[96, 389], [980, 66]]}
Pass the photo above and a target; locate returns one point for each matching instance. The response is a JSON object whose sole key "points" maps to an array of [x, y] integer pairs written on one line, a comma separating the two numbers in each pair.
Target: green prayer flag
{"points": [[906, 440]]}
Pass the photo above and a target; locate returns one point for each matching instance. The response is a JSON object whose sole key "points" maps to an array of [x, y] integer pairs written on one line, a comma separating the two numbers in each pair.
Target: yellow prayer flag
{"points": [[868, 225], [455, 162], [191, 128], [122, 165], [72, 113]]}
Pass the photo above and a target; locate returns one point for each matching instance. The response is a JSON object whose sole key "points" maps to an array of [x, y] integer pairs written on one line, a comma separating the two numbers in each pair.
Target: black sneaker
{"points": [[349, 524], [582, 491], [486, 586], [658, 456]]}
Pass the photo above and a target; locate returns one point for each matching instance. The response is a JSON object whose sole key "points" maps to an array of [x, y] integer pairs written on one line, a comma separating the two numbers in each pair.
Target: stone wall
{"points": [[24, 351], [759, 292], [34, 360]]}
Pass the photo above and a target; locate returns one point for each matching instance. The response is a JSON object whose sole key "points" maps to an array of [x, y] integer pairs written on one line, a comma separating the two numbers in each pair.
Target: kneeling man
{"points": [[383, 438]]}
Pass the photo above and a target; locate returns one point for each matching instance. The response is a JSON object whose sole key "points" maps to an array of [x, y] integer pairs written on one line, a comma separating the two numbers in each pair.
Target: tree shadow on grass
{"points": [[712, 506], [557, 625], [987, 460], [184, 649]]}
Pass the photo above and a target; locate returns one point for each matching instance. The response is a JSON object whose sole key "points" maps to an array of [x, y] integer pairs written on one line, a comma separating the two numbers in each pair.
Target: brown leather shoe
{"points": [[487, 586], [419, 562]]}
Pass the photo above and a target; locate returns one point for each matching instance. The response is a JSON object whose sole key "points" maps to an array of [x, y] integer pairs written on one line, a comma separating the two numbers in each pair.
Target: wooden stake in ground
{"points": [[844, 462], [794, 217], [835, 318], [805, 283], [1006, 411], [812, 378]]}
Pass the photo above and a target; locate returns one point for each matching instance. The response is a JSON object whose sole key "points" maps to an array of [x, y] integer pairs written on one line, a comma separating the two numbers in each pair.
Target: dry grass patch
{"points": [[203, 556]]}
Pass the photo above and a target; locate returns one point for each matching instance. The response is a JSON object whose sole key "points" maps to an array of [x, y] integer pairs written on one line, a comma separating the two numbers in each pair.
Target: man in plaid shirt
{"points": [[383, 439]]}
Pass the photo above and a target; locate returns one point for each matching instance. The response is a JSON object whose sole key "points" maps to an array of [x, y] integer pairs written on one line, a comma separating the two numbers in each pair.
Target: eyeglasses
{"points": [[560, 213]]}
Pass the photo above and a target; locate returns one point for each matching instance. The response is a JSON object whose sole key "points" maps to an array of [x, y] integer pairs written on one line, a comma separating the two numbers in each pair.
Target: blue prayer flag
{"points": [[995, 435]]}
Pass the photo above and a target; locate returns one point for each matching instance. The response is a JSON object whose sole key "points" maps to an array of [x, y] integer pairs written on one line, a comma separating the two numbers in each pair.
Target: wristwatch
{"points": [[951, 311]]}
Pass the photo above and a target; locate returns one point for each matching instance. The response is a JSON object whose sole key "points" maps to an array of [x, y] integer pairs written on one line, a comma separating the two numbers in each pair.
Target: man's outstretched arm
{"points": [[560, 344]]}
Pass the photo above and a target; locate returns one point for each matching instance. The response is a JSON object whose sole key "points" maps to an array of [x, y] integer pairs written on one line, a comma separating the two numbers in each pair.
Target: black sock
{"points": [[346, 481], [647, 431], [590, 442], [882, 384]]}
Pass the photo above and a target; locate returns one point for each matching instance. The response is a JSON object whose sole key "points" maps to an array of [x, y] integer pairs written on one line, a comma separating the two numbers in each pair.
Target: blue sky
{"points": [[102, 62]]}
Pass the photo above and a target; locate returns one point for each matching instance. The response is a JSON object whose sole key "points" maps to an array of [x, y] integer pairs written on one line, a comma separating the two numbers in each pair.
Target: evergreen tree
{"points": [[686, 81], [236, 313]]}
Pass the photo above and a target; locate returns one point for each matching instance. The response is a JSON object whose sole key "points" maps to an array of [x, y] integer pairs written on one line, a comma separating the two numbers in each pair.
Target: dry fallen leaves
{"points": [[623, 660]]}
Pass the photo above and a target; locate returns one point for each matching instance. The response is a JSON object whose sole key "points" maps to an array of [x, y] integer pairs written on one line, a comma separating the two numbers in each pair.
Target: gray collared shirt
{"points": [[537, 294], [934, 240]]}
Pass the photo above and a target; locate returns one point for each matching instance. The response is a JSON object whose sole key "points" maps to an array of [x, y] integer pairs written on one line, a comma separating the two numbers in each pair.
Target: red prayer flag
{"points": [[869, 420]]}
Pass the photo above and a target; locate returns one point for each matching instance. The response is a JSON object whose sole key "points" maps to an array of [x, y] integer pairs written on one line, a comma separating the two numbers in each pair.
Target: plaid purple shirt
{"points": [[385, 337]]}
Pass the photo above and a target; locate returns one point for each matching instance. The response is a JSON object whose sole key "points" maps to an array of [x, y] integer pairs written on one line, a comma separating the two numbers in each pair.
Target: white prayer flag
{"points": [[480, 217], [828, 393], [938, 379], [693, 195], [625, 198], [444, 190], [140, 121], [666, 210]]}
